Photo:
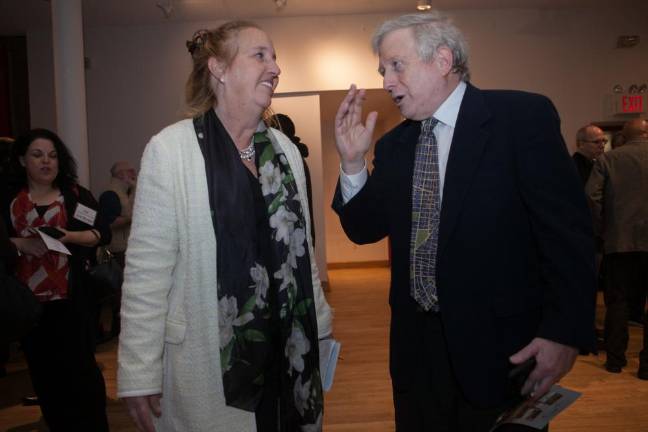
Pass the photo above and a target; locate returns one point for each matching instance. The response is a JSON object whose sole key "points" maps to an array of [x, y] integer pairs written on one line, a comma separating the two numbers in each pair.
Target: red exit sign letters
{"points": [[631, 103]]}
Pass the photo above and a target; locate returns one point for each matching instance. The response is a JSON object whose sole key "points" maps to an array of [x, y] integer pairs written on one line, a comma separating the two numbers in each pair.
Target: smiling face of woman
{"points": [[41, 162], [252, 76]]}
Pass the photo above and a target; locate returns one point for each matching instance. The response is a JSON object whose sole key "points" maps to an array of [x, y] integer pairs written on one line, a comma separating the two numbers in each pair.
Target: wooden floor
{"points": [[361, 396]]}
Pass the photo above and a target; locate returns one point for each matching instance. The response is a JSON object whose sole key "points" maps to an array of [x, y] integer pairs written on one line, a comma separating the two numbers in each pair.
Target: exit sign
{"points": [[630, 104]]}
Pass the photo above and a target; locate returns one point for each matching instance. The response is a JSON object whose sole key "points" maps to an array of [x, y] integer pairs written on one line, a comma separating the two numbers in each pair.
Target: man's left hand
{"points": [[553, 361]]}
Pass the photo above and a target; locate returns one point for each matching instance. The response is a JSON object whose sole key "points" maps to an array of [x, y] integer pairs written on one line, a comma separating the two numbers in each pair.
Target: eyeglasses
{"points": [[598, 141]]}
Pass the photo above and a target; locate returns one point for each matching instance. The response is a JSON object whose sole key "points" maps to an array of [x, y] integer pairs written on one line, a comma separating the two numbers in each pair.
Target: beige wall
{"points": [[135, 83], [338, 247], [304, 111]]}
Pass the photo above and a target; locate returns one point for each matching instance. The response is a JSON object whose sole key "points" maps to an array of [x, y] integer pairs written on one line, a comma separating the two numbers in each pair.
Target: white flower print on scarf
{"points": [[301, 394], [296, 247], [270, 178], [296, 346], [285, 274], [284, 222], [228, 318], [259, 276]]}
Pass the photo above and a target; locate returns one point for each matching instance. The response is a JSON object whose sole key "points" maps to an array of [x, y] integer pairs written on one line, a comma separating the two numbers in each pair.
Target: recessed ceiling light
{"points": [[424, 5]]}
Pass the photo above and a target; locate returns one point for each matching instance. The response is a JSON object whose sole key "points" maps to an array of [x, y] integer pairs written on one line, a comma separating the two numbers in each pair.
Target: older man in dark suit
{"points": [[590, 143], [491, 239], [618, 191]]}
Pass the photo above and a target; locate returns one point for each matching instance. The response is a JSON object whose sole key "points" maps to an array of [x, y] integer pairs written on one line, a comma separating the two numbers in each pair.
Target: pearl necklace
{"points": [[248, 152]]}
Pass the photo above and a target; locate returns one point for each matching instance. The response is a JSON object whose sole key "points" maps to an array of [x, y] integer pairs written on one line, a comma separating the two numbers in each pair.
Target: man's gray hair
{"points": [[431, 31]]}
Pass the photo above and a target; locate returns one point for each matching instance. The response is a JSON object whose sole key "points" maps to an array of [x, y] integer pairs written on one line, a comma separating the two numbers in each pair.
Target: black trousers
{"points": [[437, 404], [64, 373], [626, 273]]}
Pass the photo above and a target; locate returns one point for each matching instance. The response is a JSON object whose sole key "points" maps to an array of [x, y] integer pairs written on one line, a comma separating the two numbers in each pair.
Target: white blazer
{"points": [[169, 334]]}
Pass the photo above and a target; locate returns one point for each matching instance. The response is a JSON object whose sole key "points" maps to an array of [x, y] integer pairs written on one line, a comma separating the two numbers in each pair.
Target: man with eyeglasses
{"points": [[590, 142], [617, 190]]}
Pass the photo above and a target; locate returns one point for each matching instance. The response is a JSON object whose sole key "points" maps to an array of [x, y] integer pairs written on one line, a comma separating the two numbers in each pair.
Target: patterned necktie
{"points": [[426, 212]]}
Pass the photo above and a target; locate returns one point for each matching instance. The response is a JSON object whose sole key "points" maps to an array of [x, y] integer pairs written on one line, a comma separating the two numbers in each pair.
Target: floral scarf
{"points": [[46, 276], [266, 306]]}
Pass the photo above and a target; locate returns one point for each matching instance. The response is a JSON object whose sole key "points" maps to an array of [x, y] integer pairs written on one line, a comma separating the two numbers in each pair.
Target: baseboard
{"points": [[359, 264]]}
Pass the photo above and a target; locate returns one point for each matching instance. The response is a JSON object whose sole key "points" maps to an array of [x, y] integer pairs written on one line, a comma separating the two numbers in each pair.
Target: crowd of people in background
{"points": [[616, 184]]}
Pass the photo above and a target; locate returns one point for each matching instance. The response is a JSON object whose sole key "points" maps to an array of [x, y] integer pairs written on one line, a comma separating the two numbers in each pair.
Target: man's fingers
{"points": [[525, 353], [541, 388], [343, 111], [356, 107], [529, 385], [371, 122], [527, 388]]}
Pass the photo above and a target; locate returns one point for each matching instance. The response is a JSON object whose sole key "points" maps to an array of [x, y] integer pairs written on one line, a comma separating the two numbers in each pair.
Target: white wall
{"points": [[304, 111], [135, 83]]}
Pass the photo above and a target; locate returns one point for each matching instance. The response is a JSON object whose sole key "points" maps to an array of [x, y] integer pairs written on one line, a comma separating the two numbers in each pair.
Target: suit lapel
{"points": [[468, 143]]}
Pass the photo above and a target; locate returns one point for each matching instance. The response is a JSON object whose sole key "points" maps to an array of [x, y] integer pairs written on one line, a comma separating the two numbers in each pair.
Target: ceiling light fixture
{"points": [[424, 5], [280, 3]]}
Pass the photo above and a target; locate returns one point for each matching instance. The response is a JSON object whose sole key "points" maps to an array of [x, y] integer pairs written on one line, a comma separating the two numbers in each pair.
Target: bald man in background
{"points": [[590, 142], [618, 188]]}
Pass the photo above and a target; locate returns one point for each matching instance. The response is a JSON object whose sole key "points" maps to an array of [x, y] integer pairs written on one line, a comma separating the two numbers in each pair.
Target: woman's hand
{"points": [[87, 238], [140, 409], [33, 246], [66, 236], [352, 138]]}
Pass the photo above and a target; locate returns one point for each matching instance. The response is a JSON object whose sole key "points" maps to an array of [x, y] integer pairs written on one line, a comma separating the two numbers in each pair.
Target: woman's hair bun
{"points": [[197, 41]]}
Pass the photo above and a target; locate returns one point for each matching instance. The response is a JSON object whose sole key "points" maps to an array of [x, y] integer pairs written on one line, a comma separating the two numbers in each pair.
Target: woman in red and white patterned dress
{"points": [[59, 350]]}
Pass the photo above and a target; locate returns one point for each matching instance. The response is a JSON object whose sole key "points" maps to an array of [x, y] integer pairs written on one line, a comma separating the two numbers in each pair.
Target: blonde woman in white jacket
{"points": [[222, 304]]}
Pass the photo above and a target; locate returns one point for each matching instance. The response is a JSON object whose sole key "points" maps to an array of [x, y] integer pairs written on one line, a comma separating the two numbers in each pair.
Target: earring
{"points": [[221, 80]]}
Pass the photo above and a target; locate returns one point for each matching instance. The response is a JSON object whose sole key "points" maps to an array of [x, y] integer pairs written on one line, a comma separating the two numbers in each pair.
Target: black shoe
{"points": [[642, 373], [30, 401], [612, 368]]}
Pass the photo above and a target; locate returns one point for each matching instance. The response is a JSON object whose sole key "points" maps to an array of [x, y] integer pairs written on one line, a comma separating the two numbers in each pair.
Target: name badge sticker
{"points": [[85, 214]]}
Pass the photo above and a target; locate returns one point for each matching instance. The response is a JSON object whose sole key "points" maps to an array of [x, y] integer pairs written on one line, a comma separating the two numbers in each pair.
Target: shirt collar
{"points": [[449, 109]]}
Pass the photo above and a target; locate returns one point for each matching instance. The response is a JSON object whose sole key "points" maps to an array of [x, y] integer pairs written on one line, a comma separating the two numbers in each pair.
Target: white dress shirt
{"points": [[447, 115]]}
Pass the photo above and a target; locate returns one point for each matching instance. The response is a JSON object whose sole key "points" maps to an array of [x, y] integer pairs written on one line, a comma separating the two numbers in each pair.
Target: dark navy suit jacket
{"points": [[515, 254]]}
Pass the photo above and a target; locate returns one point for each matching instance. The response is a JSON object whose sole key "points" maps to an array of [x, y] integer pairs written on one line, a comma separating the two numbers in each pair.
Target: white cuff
{"points": [[351, 184]]}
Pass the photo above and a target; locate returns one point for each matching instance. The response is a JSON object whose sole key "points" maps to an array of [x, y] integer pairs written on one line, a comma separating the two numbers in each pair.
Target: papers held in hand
{"points": [[537, 414], [53, 244], [329, 350]]}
